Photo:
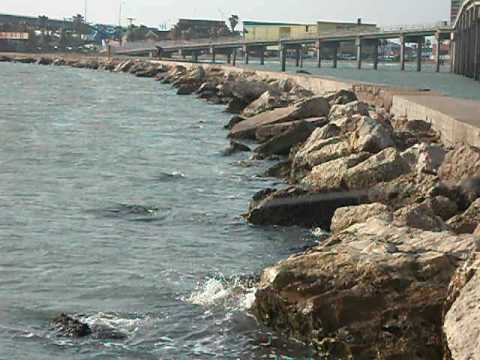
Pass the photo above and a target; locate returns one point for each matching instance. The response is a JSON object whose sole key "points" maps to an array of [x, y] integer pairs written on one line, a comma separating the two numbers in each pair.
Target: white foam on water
{"points": [[232, 294]]}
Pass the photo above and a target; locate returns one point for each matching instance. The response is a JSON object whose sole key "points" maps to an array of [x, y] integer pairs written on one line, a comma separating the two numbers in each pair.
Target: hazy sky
{"points": [[156, 12]]}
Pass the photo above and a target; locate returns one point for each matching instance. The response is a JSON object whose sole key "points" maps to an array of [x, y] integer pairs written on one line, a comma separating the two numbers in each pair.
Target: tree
{"points": [[79, 25], [234, 20]]}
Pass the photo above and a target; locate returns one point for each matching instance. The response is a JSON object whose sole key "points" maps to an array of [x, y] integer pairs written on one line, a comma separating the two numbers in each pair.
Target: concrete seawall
{"points": [[457, 120]]}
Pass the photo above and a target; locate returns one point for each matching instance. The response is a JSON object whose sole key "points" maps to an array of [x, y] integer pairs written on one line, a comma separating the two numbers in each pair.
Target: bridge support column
{"points": [[335, 55], [229, 57], [358, 43], [195, 56], [302, 55], [319, 53], [376, 44], [297, 56], [437, 55], [234, 61], [246, 55], [419, 54], [214, 55], [262, 55], [283, 57], [403, 47]]}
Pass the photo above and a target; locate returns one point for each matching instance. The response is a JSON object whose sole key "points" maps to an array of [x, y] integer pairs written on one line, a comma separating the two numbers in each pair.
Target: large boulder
{"points": [[351, 215], [462, 313], [329, 175], [294, 206], [467, 222], [462, 163], [316, 151], [373, 291], [385, 166], [410, 188], [420, 216], [342, 97], [267, 132], [282, 143], [269, 100], [348, 110], [309, 108], [370, 136], [424, 157]]}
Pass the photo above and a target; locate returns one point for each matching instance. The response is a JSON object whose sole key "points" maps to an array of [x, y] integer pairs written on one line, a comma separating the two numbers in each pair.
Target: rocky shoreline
{"points": [[396, 277]]}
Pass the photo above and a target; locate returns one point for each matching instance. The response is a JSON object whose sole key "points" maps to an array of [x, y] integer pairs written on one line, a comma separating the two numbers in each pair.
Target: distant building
{"points": [[272, 31]]}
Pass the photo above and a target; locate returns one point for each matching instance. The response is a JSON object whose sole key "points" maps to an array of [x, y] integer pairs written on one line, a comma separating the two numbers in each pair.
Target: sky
{"points": [[157, 12]]}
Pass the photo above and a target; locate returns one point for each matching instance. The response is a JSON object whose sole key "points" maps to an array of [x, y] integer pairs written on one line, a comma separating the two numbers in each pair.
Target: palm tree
{"points": [[234, 19], [78, 25], [43, 24]]}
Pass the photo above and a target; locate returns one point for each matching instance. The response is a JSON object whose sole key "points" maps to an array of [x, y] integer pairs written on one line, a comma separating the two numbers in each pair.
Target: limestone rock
{"points": [[371, 136], [329, 175], [348, 110], [316, 151], [384, 166], [267, 132], [420, 216], [247, 128], [467, 222], [424, 157], [269, 100], [282, 143], [410, 188], [477, 231], [460, 164], [442, 207], [348, 216], [462, 320], [373, 291], [342, 97], [294, 206], [309, 108]]}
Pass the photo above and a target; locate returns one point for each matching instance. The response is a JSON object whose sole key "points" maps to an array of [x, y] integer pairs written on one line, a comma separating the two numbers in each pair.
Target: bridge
{"points": [[466, 40], [329, 42]]}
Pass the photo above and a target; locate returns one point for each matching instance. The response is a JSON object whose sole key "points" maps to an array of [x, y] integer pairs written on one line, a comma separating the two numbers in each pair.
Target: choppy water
{"points": [[116, 203]]}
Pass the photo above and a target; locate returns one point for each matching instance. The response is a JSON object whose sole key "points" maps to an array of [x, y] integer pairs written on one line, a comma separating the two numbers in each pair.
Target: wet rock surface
{"points": [[372, 291]]}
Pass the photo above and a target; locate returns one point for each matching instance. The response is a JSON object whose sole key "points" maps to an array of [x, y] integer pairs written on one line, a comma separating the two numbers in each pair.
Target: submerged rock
{"points": [[373, 291], [235, 147], [68, 326]]}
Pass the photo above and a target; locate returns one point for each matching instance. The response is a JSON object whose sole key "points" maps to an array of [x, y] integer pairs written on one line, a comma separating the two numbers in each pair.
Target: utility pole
{"points": [[85, 8], [120, 13]]}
